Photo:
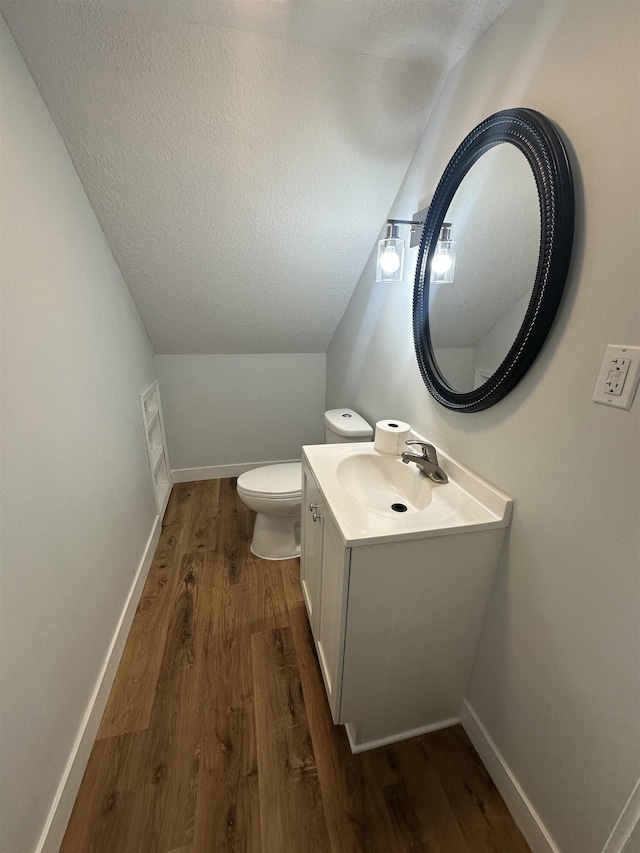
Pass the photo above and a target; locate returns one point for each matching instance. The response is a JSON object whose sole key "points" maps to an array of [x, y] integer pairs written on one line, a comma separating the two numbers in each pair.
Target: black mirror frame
{"points": [[534, 135]]}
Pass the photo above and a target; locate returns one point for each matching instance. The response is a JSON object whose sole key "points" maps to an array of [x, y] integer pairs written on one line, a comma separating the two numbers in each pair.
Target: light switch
{"points": [[618, 378]]}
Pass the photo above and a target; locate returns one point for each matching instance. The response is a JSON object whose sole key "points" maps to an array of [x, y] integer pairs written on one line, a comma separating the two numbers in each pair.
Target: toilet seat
{"points": [[281, 481]]}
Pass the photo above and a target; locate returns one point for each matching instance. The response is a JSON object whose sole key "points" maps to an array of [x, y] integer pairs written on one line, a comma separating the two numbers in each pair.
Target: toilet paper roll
{"points": [[391, 436]]}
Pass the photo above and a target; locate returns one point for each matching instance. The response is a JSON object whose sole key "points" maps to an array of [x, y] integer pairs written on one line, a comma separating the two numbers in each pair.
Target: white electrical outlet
{"points": [[618, 377]]}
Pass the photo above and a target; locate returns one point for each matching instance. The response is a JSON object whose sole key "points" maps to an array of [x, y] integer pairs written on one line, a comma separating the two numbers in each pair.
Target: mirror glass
{"points": [[495, 225]]}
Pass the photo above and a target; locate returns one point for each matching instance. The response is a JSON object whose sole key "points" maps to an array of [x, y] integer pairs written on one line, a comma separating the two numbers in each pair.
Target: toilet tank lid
{"points": [[347, 422]]}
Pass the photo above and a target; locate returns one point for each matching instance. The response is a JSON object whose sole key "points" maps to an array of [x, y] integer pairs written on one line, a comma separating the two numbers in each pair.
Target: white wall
{"points": [[77, 503], [556, 679], [236, 409]]}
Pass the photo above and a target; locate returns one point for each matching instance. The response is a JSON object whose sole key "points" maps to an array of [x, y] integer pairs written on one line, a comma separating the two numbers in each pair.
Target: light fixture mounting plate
{"points": [[416, 230]]}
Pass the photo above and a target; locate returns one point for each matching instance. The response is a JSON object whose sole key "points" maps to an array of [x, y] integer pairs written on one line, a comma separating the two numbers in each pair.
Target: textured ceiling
{"points": [[242, 156]]}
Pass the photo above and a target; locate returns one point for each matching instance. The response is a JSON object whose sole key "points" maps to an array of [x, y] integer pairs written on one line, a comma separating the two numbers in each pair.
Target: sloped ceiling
{"points": [[242, 157]]}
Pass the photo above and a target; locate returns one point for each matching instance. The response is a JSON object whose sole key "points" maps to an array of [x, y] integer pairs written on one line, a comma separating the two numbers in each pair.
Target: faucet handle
{"points": [[426, 447], [428, 450]]}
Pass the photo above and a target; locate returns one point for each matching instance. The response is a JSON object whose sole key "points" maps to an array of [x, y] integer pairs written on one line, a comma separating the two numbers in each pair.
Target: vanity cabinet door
{"points": [[311, 551], [333, 612]]}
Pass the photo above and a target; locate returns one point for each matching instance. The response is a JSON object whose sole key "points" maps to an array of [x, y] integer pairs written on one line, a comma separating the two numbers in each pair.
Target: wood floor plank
{"points": [[235, 526], [291, 809], [439, 829], [290, 570], [173, 740], [229, 653], [407, 829], [480, 810], [104, 811], [203, 530], [268, 601], [182, 500], [228, 810], [384, 825], [227, 566], [131, 698]]}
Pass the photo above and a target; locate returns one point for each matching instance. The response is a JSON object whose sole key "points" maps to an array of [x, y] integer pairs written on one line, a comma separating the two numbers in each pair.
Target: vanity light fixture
{"points": [[390, 264], [444, 257]]}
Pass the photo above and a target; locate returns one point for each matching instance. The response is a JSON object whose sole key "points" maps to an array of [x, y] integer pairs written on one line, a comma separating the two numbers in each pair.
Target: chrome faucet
{"points": [[427, 462]]}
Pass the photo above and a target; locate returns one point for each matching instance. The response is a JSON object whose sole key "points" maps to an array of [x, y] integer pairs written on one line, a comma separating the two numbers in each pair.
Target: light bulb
{"points": [[441, 262], [390, 260]]}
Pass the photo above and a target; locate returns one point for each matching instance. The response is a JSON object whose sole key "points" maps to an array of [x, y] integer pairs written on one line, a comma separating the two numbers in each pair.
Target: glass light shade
{"points": [[390, 265], [444, 258]]}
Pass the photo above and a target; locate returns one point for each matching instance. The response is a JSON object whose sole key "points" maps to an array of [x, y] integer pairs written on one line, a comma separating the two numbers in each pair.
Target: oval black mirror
{"points": [[506, 201]]}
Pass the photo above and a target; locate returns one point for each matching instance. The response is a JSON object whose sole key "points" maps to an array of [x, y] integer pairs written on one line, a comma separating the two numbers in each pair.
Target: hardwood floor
{"points": [[217, 735]]}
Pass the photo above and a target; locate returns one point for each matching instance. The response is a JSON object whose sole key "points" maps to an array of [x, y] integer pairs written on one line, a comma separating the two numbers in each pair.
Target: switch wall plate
{"points": [[618, 377]]}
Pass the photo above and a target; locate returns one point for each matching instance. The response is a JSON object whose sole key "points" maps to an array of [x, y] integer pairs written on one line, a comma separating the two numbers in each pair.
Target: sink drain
{"points": [[398, 507]]}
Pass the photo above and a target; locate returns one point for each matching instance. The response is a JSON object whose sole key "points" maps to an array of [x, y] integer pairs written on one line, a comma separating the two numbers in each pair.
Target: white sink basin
{"points": [[373, 497], [384, 484]]}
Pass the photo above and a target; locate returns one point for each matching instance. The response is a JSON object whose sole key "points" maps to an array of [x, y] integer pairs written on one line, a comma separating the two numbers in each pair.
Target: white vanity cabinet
{"points": [[395, 624]]}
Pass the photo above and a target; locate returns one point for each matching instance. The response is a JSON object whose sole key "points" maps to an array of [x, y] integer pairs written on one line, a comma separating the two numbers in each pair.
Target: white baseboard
{"points": [[60, 812], [218, 472], [363, 746], [521, 809]]}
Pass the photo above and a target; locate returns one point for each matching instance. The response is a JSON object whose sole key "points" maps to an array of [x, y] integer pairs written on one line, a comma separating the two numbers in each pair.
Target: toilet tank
{"points": [[343, 425]]}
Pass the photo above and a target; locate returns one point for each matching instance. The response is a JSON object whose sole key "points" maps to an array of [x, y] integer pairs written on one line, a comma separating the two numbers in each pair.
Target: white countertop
{"points": [[466, 503]]}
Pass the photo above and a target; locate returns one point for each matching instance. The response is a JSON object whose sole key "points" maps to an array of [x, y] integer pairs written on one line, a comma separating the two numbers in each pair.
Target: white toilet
{"points": [[274, 492]]}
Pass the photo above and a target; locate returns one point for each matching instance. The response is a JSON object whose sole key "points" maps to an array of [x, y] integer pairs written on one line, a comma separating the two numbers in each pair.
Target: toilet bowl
{"points": [[274, 492]]}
